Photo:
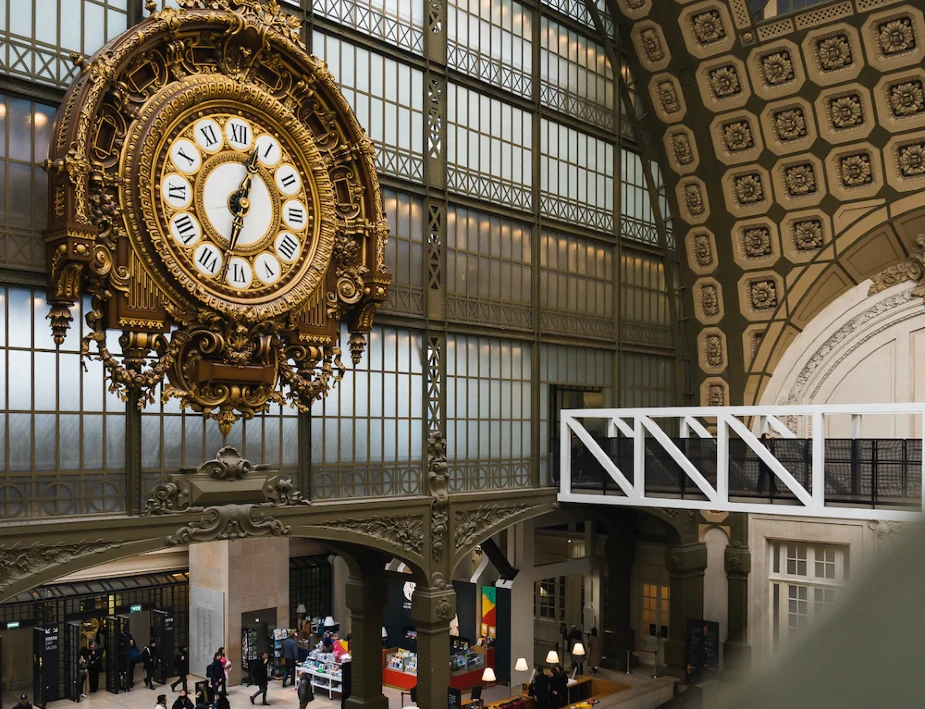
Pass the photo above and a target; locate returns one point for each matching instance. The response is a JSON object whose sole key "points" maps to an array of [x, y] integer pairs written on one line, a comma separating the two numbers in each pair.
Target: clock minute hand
{"points": [[239, 203]]}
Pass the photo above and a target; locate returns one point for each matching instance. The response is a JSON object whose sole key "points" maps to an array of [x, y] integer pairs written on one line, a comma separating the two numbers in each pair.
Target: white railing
{"points": [[648, 432]]}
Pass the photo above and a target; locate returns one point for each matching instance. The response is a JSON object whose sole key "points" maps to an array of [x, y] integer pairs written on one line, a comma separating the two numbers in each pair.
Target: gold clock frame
{"points": [[225, 357]]}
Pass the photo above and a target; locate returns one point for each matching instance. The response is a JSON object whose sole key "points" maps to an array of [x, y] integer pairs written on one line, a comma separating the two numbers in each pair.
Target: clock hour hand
{"points": [[239, 203]]}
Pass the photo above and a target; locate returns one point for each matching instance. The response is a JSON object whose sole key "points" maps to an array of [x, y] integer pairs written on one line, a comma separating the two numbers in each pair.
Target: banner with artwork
{"points": [[489, 611]]}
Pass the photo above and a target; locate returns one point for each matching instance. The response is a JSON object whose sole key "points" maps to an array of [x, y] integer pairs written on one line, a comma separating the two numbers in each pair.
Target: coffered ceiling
{"points": [[797, 153]]}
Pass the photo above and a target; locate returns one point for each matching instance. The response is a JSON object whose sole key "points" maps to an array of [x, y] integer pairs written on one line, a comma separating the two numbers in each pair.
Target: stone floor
{"points": [[142, 698]]}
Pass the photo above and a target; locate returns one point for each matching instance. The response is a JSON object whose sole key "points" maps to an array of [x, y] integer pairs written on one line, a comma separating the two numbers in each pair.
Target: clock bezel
{"points": [[164, 118]]}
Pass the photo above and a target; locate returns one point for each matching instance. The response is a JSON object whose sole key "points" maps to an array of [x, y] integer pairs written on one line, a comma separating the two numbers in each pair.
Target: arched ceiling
{"points": [[796, 150]]}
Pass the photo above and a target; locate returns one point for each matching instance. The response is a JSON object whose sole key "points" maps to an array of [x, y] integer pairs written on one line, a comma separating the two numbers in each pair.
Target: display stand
{"points": [[248, 649], [399, 668], [325, 671]]}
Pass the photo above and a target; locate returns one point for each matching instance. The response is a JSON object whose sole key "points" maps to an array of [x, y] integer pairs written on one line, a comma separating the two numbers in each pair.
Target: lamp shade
{"points": [[552, 657], [329, 622], [384, 633], [578, 649], [488, 675], [301, 609], [521, 665]]}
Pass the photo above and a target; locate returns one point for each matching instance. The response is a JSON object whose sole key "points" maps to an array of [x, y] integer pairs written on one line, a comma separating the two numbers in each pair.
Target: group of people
{"points": [[549, 687], [90, 665], [591, 645]]}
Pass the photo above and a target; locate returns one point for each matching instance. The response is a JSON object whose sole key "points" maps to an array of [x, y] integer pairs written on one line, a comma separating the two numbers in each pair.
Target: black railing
{"points": [[875, 472]]}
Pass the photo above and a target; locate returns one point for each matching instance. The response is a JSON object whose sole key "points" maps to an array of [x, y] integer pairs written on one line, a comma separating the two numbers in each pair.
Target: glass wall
{"points": [[524, 251]]}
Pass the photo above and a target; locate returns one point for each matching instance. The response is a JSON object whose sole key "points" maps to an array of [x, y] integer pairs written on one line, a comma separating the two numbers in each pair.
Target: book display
{"points": [[325, 671]]}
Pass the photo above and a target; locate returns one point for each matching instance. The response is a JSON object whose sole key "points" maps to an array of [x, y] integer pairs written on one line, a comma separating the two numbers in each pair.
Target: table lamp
{"points": [[329, 622], [578, 650], [488, 675], [552, 657], [301, 609], [521, 665]]}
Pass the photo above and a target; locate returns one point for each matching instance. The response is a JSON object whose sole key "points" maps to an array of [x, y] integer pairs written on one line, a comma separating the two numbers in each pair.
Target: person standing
{"points": [[306, 694], [560, 687], [96, 666], [766, 479], [149, 657], [291, 658], [181, 666], [134, 657], [24, 702], [543, 689], [83, 672], [216, 675], [226, 666], [183, 701], [260, 676], [594, 650]]}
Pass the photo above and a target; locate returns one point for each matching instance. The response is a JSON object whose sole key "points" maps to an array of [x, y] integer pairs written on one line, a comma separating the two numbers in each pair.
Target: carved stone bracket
{"points": [[887, 533], [228, 478], [20, 561], [439, 517], [404, 532], [912, 269], [230, 522], [686, 558], [471, 525], [737, 561]]}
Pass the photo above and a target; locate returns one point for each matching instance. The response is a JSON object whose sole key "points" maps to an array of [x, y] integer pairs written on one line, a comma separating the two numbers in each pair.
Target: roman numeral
{"points": [[176, 191], [296, 215], [269, 270], [191, 161], [239, 133], [269, 149], [209, 260], [185, 226], [208, 132], [237, 273], [288, 181], [287, 247]]}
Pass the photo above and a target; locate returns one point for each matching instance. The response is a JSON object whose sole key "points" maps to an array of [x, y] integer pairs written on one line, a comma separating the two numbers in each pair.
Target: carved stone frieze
{"points": [[472, 525], [403, 531], [437, 473], [439, 517], [887, 533], [19, 561], [231, 522]]}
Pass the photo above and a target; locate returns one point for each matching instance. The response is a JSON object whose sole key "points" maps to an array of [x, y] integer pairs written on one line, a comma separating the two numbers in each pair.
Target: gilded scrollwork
{"points": [[222, 355]]}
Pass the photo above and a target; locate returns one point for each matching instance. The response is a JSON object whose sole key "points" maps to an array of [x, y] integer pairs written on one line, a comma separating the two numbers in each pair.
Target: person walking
{"points": [[216, 675], [181, 667], [149, 657], [291, 658], [306, 693], [83, 672], [594, 650], [183, 701], [134, 657], [260, 676], [574, 637], [96, 666]]}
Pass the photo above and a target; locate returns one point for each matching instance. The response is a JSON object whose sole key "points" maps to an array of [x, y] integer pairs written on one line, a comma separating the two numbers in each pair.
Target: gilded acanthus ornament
{"points": [[808, 234], [856, 170], [748, 188], [228, 312], [912, 269], [708, 27], [724, 81], [790, 124], [763, 294], [896, 36], [800, 179], [907, 98], [834, 52], [912, 159], [777, 68]]}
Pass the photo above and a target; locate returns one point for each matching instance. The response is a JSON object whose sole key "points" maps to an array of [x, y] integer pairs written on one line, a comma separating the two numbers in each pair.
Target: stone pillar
{"points": [[432, 610], [736, 651], [366, 599], [686, 564], [616, 632], [253, 575]]}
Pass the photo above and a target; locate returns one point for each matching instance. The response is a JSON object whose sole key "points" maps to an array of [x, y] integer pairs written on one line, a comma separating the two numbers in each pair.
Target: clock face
{"points": [[233, 199]]}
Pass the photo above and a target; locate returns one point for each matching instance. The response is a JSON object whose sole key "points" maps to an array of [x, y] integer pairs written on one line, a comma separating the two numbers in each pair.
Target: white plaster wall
{"points": [[859, 349], [715, 583]]}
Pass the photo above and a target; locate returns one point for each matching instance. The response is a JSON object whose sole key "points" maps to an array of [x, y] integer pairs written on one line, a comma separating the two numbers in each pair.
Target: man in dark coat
{"points": [[260, 676], [216, 675], [306, 694], [291, 656], [543, 689], [560, 687], [181, 666], [23, 703], [149, 657], [96, 666]]}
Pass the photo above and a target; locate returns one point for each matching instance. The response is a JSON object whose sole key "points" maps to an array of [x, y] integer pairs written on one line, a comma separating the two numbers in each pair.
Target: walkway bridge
{"points": [[861, 461]]}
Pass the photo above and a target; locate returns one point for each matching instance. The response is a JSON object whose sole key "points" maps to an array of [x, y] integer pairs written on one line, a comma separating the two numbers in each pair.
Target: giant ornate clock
{"points": [[212, 191]]}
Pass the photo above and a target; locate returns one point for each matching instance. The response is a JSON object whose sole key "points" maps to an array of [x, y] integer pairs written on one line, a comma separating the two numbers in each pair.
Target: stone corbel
{"points": [[686, 558], [737, 561], [912, 269]]}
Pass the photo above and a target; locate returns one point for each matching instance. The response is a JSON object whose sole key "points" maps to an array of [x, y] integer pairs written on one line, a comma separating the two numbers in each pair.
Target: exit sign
{"points": [[13, 625], [135, 608]]}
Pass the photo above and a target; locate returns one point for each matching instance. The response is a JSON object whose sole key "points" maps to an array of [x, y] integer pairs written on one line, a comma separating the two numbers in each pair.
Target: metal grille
{"points": [[398, 22]]}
